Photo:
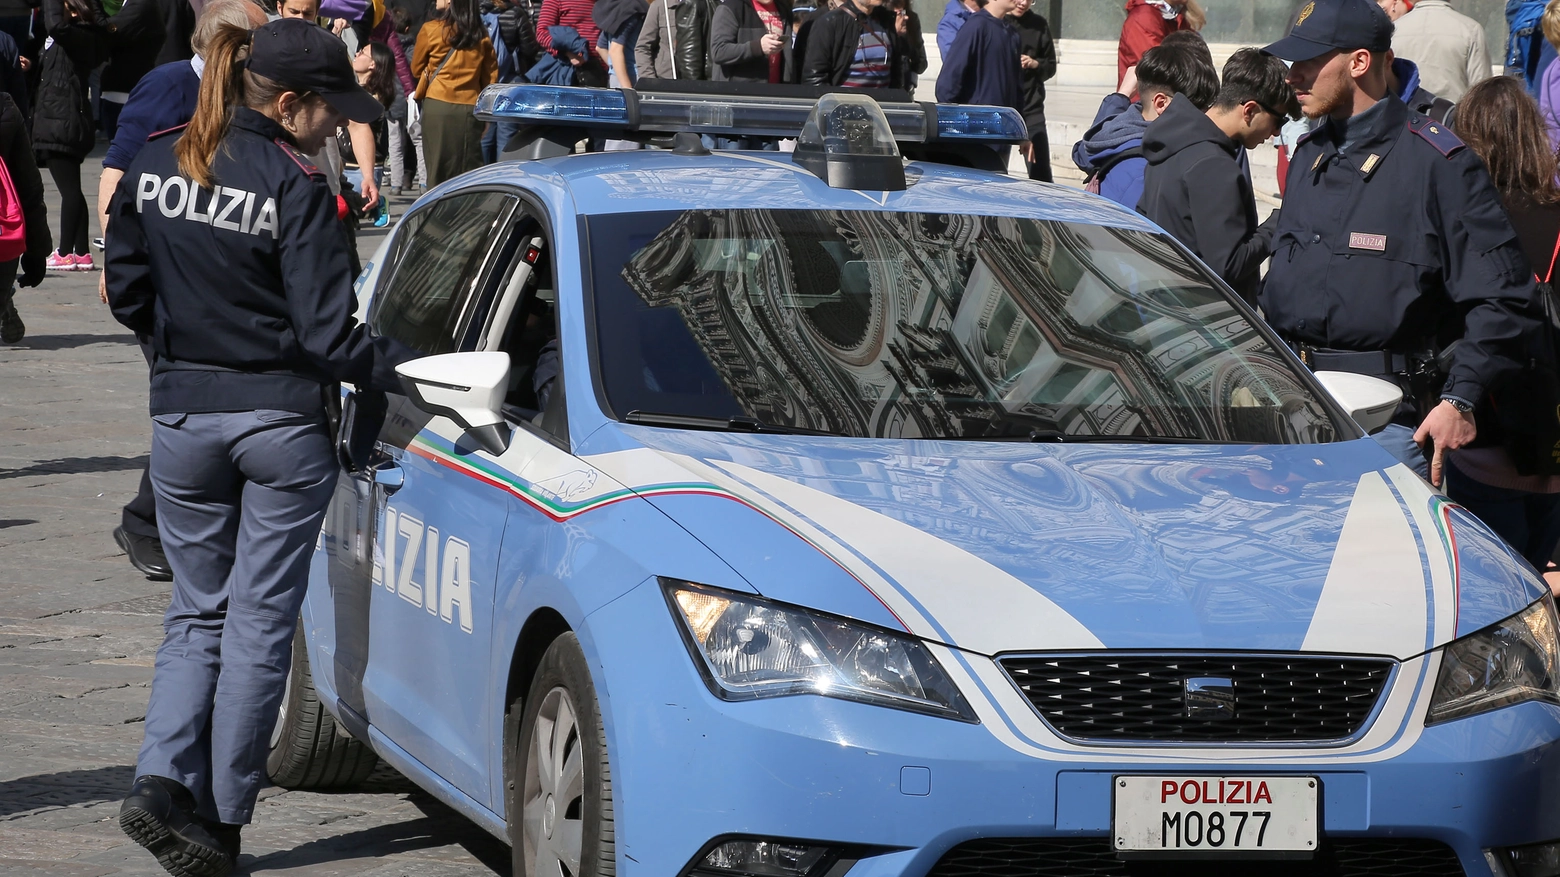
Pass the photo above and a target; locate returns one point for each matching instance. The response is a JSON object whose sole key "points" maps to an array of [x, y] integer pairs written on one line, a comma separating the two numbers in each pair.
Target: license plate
{"points": [[1214, 815]]}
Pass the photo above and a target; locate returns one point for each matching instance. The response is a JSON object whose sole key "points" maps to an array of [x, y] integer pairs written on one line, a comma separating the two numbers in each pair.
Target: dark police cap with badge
{"points": [[1325, 25], [304, 57]]}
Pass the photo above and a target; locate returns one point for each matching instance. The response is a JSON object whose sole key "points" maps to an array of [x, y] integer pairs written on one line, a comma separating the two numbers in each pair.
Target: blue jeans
{"points": [[495, 137], [240, 499], [1530, 522]]}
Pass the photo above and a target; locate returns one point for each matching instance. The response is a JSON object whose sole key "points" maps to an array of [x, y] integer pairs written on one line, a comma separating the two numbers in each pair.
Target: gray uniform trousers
{"points": [[240, 499]]}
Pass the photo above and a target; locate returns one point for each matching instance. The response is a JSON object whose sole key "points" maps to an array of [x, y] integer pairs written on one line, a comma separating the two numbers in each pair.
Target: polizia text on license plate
{"points": [[1211, 815]]}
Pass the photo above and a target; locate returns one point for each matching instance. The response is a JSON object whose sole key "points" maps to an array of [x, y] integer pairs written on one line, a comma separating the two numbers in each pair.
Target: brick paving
{"points": [[79, 628]]}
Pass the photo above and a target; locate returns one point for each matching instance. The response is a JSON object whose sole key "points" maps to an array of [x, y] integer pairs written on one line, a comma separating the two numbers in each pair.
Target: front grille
{"points": [[1129, 697], [1093, 857]]}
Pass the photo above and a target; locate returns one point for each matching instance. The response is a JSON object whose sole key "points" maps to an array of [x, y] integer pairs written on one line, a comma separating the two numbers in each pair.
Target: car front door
{"points": [[413, 630]]}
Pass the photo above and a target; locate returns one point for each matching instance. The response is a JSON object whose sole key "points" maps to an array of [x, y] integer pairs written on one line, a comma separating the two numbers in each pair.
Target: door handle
{"points": [[389, 476]]}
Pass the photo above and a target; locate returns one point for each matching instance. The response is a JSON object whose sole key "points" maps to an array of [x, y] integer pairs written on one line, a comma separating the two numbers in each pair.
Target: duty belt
{"points": [[1376, 363]]}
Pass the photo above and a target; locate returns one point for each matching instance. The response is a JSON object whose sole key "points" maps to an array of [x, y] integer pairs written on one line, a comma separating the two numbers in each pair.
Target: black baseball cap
{"points": [[1325, 25], [304, 57]]}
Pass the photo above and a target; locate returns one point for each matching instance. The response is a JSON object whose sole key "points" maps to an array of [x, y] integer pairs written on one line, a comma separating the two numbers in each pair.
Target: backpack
{"points": [[13, 225], [1091, 184], [1528, 405]]}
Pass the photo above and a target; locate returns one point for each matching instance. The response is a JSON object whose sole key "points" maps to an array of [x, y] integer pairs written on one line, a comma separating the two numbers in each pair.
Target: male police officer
{"points": [[1393, 256]]}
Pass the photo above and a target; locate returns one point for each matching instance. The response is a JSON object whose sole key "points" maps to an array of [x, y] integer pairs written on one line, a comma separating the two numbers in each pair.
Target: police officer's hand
{"points": [[1448, 429], [103, 287]]}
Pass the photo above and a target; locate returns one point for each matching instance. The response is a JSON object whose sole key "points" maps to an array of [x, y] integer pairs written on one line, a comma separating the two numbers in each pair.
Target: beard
{"points": [[1327, 97]]}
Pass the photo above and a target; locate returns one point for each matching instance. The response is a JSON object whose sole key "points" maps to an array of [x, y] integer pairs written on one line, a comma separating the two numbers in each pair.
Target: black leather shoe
{"points": [[159, 814], [145, 553]]}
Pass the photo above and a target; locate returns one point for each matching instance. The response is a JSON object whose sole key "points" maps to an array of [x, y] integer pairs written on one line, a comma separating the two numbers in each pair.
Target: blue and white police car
{"points": [[758, 514]]}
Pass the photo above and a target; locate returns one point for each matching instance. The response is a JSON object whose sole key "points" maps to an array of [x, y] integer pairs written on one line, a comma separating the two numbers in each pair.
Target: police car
{"points": [[829, 513]]}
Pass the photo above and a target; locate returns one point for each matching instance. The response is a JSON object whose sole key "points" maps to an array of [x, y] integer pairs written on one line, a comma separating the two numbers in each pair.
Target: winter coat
{"points": [[674, 42], [577, 14], [384, 32], [17, 153], [1034, 36], [164, 98], [735, 32], [1194, 189], [551, 69], [1549, 102], [955, 14], [145, 34], [12, 80], [982, 65], [1112, 150], [518, 32], [832, 43], [62, 120], [1146, 27]]}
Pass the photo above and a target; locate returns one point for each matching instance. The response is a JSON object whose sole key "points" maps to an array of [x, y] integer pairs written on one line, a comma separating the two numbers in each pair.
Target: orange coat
{"points": [[464, 76]]}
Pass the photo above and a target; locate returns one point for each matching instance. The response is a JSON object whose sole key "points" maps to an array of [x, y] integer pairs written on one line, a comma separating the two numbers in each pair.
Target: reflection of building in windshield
{"points": [[891, 324]]}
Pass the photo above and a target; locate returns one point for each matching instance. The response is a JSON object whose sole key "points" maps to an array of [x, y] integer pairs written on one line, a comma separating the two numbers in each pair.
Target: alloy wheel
{"points": [[552, 813]]}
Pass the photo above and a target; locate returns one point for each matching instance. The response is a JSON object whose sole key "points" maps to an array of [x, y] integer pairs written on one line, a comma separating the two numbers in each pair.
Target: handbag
{"points": [[13, 223], [1528, 405], [414, 102]]}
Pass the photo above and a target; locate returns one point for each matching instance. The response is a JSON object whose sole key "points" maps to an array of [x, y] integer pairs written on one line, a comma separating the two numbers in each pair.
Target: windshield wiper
{"points": [[737, 423], [1069, 438]]}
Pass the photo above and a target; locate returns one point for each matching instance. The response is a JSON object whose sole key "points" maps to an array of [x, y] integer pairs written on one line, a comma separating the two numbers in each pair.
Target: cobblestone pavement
{"points": [[79, 627]]}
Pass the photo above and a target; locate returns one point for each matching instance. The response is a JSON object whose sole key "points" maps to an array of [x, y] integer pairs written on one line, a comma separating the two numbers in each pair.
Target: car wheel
{"points": [[309, 749], [560, 793]]}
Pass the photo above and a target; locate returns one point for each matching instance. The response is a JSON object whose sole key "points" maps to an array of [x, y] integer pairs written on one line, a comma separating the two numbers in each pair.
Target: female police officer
{"points": [[224, 248]]}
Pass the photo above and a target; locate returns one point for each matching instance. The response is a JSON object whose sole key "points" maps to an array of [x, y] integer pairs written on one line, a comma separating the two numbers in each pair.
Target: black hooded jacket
{"points": [[62, 119], [1194, 188]]}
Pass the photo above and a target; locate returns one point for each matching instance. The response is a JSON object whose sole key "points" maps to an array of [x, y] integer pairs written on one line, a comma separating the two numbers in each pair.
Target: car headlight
{"points": [[748, 648], [1509, 662]]}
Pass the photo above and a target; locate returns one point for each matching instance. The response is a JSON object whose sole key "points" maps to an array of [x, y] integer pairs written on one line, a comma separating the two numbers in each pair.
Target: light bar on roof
{"points": [[731, 115]]}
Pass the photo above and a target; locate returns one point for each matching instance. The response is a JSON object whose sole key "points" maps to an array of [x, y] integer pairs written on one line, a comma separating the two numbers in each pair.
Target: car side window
{"points": [[429, 301]]}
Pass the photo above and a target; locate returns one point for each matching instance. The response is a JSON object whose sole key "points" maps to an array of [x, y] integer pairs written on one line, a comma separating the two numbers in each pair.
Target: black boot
{"points": [[159, 814], [12, 329], [227, 835]]}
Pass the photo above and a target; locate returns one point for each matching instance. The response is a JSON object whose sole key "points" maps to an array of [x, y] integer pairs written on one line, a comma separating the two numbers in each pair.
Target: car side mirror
{"points": [[468, 388], [1370, 401]]}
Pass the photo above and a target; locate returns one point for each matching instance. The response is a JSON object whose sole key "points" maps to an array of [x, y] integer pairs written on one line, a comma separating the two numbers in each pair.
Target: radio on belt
{"points": [[849, 141]]}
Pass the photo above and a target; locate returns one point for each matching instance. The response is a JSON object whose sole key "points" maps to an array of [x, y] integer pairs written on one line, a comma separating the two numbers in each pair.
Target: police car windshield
{"points": [[918, 325]]}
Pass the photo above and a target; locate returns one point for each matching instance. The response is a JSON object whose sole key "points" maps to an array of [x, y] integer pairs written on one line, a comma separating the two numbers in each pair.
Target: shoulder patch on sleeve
{"points": [[166, 131], [301, 160], [1435, 133]]}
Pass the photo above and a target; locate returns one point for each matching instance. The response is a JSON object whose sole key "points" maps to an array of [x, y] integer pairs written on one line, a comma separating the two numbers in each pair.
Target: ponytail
{"points": [[221, 89]]}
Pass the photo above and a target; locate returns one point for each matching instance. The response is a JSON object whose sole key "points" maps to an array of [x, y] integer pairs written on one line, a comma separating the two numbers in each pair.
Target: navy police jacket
{"points": [[1401, 245], [244, 290]]}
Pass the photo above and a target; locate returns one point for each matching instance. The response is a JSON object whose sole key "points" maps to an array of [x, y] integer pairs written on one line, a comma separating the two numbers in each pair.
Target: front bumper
{"points": [[688, 767]]}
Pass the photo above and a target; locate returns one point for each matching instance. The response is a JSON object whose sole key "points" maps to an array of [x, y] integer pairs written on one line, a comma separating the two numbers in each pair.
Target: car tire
{"points": [[309, 748], [560, 752]]}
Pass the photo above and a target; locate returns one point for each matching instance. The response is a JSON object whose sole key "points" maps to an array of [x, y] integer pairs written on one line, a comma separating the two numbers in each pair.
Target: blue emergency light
{"points": [[732, 115], [845, 137]]}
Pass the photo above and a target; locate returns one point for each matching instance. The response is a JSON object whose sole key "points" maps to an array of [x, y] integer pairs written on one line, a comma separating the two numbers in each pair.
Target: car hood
{"points": [[1001, 547]]}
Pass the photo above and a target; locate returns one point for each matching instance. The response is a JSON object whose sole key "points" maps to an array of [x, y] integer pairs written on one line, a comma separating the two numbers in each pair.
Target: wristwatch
{"points": [[1462, 406]]}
